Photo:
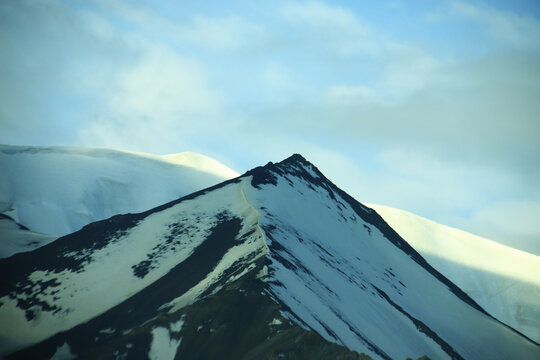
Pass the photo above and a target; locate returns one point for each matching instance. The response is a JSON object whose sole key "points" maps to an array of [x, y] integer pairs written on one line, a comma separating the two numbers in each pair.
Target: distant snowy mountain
{"points": [[15, 238], [58, 190], [503, 280], [278, 263]]}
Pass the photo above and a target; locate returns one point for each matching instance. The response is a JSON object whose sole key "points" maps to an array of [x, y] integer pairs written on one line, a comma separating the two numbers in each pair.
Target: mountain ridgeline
{"points": [[277, 263]]}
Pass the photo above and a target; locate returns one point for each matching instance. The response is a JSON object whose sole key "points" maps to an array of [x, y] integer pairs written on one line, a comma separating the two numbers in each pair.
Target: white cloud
{"points": [[161, 98], [513, 223], [229, 32], [512, 217], [402, 71], [161, 85], [331, 26], [384, 114], [396, 5], [220, 33], [517, 30], [97, 25], [278, 77], [408, 70], [350, 95], [320, 15]]}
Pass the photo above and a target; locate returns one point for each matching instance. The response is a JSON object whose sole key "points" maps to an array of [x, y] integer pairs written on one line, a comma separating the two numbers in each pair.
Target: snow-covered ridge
{"points": [[57, 190], [503, 280], [201, 163]]}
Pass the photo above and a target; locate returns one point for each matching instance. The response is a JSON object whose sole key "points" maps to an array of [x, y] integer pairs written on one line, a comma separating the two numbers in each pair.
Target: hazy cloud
{"points": [[514, 29], [512, 223], [159, 99]]}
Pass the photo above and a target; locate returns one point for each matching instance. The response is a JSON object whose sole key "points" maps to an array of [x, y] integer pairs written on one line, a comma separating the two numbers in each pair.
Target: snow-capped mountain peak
{"points": [[281, 234]]}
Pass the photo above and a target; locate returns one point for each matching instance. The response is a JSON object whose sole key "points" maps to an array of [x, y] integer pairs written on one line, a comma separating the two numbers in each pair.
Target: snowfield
{"points": [[57, 190], [503, 280]]}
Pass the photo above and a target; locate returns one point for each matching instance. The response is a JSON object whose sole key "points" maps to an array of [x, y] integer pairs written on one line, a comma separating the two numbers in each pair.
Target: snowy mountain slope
{"points": [[57, 190], [58, 286], [330, 264], [503, 280], [15, 238], [171, 268], [325, 245]]}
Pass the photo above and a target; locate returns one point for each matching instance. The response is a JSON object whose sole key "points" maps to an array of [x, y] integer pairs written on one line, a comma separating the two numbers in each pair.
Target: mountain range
{"points": [[276, 263]]}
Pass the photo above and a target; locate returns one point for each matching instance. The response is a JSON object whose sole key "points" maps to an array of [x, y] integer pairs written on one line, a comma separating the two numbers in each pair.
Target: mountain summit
{"points": [[277, 263]]}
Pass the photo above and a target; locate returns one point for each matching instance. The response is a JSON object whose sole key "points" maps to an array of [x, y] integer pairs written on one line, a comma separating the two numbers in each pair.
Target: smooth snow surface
{"points": [[14, 239], [58, 190], [503, 280]]}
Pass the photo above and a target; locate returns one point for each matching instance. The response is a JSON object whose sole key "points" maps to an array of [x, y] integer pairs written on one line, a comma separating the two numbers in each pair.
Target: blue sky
{"points": [[428, 106]]}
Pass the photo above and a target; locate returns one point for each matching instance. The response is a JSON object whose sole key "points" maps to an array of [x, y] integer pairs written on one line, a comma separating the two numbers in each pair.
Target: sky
{"points": [[428, 106]]}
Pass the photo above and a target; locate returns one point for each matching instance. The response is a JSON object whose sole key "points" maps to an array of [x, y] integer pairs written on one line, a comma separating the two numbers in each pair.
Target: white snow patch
{"points": [[177, 326], [163, 347], [63, 353], [311, 172], [276, 321]]}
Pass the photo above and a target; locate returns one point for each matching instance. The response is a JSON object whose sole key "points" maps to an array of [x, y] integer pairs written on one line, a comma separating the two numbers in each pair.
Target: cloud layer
{"points": [[432, 108]]}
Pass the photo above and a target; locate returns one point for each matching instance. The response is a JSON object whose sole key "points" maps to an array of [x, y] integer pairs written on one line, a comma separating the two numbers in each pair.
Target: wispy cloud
{"points": [[514, 29], [332, 27]]}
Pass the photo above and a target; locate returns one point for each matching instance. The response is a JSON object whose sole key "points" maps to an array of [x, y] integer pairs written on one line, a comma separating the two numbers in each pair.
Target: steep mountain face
{"points": [[503, 280], [277, 263], [58, 190]]}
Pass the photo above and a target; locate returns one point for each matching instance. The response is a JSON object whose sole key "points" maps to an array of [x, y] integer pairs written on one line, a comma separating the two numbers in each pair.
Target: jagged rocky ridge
{"points": [[278, 262]]}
